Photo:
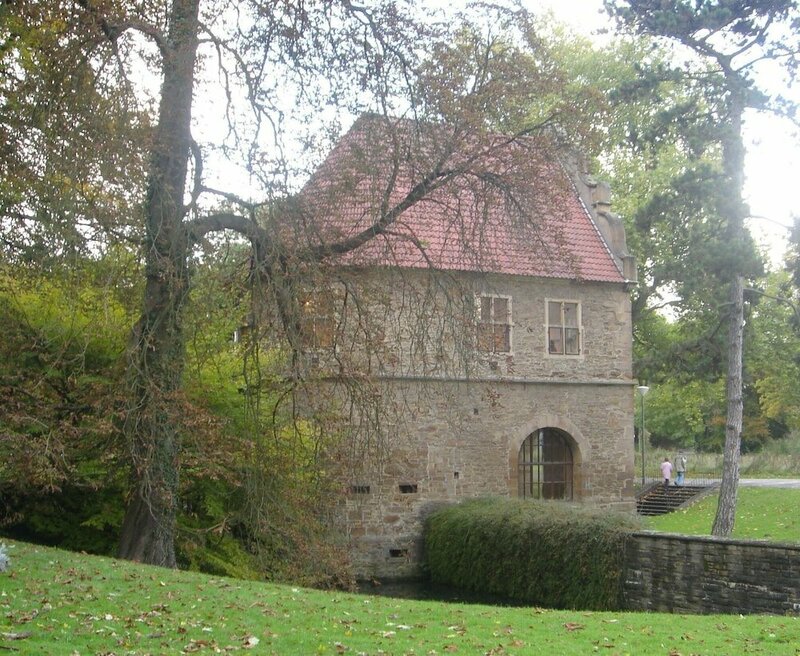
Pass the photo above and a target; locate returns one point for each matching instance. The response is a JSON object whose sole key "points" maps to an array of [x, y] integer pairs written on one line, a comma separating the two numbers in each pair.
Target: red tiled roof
{"points": [[509, 209]]}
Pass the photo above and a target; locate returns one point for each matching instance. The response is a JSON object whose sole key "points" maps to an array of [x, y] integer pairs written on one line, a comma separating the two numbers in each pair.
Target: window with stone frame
{"points": [[494, 323], [317, 320], [564, 327], [545, 466]]}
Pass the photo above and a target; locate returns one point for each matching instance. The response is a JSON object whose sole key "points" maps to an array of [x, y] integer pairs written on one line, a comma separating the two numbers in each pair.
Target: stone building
{"points": [[494, 333]]}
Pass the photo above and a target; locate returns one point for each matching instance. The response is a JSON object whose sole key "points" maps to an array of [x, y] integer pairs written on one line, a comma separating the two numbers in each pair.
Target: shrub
{"points": [[548, 554], [253, 487]]}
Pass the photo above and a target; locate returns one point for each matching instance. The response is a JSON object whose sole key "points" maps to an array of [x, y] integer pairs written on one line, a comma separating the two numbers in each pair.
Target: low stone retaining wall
{"points": [[690, 574]]}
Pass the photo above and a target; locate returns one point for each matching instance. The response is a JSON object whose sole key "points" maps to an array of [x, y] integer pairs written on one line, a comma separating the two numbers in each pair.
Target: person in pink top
{"points": [[666, 471]]}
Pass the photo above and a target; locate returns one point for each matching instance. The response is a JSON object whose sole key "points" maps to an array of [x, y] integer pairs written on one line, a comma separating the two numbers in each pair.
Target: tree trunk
{"points": [[157, 348], [733, 164], [729, 487]]}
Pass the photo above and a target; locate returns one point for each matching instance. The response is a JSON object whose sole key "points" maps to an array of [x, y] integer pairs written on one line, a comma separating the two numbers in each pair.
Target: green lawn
{"points": [[761, 514], [60, 603]]}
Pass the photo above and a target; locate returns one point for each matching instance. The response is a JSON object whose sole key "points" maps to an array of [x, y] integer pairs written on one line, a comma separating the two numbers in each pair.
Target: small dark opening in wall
{"points": [[359, 489], [456, 474], [398, 553], [408, 488]]}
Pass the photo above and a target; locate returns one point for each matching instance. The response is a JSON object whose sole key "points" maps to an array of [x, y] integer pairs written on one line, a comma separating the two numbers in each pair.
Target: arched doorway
{"points": [[546, 465]]}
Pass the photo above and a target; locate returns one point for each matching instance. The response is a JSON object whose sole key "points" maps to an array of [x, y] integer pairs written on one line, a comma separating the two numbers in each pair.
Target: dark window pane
{"points": [[486, 309], [572, 346], [500, 310], [485, 337], [554, 339], [554, 313], [502, 339]]}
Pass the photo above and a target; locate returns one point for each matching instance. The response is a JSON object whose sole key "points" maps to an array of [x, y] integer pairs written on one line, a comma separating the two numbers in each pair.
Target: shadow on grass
{"points": [[423, 590]]}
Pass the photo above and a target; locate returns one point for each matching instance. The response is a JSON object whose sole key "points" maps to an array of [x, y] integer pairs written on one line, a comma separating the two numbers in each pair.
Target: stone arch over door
{"points": [[564, 443]]}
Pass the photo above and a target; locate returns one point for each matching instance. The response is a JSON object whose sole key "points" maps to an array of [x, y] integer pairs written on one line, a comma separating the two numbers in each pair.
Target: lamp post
{"points": [[643, 390]]}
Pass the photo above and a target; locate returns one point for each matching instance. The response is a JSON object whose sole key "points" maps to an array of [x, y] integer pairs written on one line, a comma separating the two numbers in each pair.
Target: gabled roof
{"points": [[494, 204]]}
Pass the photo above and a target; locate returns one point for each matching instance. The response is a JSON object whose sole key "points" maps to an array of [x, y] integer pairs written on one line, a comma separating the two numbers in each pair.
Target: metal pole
{"points": [[642, 389], [641, 439]]}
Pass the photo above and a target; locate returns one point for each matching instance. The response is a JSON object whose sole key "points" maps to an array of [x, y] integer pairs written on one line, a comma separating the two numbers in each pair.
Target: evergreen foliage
{"points": [[553, 555]]}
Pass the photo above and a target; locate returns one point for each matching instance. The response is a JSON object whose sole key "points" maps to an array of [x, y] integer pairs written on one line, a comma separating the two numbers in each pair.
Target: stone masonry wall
{"points": [[464, 441], [689, 574], [458, 434]]}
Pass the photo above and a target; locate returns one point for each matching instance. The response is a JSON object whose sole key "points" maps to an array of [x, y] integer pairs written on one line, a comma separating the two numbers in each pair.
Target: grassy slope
{"points": [[55, 602], [761, 514]]}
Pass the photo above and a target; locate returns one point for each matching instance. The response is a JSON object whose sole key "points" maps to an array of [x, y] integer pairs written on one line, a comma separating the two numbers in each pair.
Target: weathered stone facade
{"points": [[481, 337], [460, 431]]}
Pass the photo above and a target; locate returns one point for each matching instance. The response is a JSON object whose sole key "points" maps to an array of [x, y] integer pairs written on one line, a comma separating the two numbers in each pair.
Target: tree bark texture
{"points": [[156, 350], [733, 163], [729, 487]]}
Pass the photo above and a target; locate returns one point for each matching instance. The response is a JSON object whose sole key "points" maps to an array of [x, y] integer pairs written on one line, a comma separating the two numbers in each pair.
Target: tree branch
{"points": [[429, 183], [197, 187], [233, 198], [197, 229], [779, 299], [112, 31], [437, 177]]}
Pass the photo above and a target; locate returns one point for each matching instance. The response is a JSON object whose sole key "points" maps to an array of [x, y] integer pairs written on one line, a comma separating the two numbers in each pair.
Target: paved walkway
{"points": [[743, 482], [770, 482]]}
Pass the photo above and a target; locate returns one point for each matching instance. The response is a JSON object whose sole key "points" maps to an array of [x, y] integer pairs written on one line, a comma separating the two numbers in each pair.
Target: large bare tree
{"points": [[128, 117]]}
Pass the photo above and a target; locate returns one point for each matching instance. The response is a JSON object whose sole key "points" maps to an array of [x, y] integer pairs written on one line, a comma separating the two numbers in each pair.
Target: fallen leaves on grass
{"points": [[198, 645], [573, 626], [248, 642]]}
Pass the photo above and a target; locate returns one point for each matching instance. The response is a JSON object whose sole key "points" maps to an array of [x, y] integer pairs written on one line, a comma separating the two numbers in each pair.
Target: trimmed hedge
{"points": [[542, 553]]}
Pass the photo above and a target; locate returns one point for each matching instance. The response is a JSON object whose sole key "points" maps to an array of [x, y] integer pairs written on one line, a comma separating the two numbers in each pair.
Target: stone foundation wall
{"points": [[689, 574], [463, 441]]}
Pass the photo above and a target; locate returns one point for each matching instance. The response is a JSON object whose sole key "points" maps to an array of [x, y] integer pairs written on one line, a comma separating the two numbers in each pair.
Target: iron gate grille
{"points": [[545, 466]]}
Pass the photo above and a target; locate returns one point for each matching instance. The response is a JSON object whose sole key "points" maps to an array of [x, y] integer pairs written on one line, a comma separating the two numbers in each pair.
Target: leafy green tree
{"points": [[654, 137], [60, 454], [728, 39], [251, 484], [257, 481], [775, 340], [685, 415]]}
